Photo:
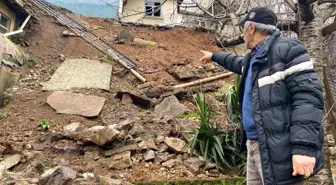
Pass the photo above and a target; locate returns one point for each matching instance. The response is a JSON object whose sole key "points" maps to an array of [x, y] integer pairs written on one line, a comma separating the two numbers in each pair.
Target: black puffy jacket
{"points": [[287, 106]]}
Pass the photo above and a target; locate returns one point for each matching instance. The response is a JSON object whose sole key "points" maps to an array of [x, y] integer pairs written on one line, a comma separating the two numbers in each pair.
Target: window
{"points": [[153, 8], [4, 23]]}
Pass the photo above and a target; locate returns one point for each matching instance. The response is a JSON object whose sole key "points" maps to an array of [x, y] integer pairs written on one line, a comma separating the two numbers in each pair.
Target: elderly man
{"points": [[282, 103]]}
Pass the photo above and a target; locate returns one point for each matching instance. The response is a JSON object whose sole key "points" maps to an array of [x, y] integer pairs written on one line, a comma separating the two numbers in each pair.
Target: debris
{"points": [[119, 161], [169, 164], [80, 73], [104, 135], [146, 85], [136, 99], [68, 33], [169, 107], [78, 104], [175, 144], [182, 73], [3, 170], [125, 36], [126, 99], [149, 144], [88, 175], [108, 181], [121, 149], [194, 163], [11, 161], [163, 147], [73, 127], [197, 82], [58, 175], [126, 124], [149, 155], [144, 42], [162, 46], [160, 139]]}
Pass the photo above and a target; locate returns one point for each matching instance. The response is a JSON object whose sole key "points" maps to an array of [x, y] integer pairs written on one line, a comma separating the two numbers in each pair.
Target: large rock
{"points": [[175, 144], [103, 135], [194, 163], [11, 161], [169, 107], [80, 73], [77, 104]]}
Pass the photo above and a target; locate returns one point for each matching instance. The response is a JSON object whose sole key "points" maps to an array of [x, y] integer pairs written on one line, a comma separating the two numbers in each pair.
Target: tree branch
{"points": [[282, 26], [329, 29], [292, 6]]}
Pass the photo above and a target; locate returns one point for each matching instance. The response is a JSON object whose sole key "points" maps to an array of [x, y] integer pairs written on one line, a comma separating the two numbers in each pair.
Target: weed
{"points": [[32, 62], [45, 124], [3, 115]]}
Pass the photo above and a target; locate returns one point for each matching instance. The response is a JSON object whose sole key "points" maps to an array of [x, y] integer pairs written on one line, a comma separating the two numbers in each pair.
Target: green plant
{"points": [[232, 102], [3, 115], [45, 124], [32, 62], [218, 146]]}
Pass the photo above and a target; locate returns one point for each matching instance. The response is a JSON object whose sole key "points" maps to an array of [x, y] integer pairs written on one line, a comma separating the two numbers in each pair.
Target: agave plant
{"points": [[208, 139], [232, 102]]}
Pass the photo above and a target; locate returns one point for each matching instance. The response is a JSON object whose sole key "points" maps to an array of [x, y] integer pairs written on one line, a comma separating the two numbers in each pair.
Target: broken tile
{"points": [[77, 104]]}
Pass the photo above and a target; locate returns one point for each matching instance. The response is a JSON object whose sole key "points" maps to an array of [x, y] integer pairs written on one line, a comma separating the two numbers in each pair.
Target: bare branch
{"points": [[291, 4]]}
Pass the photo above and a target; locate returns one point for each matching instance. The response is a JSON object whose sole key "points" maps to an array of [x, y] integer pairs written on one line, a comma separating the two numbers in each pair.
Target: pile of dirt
{"points": [[21, 132]]}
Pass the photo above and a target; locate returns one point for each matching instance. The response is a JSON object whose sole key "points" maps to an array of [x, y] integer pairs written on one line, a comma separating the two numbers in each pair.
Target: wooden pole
{"points": [[138, 75], [204, 80]]}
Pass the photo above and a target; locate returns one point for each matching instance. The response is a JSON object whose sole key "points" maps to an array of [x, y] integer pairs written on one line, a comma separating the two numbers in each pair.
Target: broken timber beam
{"points": [[204, 80]]}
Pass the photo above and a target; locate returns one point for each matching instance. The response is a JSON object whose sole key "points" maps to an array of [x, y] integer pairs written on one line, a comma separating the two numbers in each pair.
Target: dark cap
{"points": [[261, 14]]}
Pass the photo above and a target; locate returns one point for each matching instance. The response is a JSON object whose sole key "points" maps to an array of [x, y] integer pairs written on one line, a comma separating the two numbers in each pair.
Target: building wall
{"points": [[10, 14], [168, 10]]}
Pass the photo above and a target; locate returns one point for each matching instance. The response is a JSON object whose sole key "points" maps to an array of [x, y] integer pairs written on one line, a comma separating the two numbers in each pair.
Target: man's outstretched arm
{"points": [[228, 61]]}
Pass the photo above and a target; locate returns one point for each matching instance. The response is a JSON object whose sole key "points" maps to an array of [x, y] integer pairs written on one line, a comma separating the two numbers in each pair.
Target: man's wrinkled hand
{"points": [[303, 165], [206, 57]]}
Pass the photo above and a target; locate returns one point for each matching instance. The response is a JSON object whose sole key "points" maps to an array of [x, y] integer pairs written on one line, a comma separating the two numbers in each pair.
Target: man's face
{"points": [[248, 34]]}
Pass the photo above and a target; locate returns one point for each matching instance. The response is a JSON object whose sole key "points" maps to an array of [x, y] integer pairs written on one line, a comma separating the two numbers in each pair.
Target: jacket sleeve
{"points": [[307, 101], [230, 62]]}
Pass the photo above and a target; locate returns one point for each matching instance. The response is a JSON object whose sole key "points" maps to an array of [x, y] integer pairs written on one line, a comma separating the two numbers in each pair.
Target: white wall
{"points": [[168, 10]]}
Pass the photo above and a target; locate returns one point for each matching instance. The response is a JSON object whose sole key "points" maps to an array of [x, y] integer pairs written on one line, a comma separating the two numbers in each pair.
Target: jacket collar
{"points": [[268, 44]]}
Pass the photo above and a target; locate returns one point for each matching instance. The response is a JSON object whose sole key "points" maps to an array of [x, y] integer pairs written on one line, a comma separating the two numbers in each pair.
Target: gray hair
{"points": [[263, 28]]}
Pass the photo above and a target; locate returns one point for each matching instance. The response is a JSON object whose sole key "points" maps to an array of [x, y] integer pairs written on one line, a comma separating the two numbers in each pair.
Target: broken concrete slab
{"points": [[121, 149], [77, 104], [136, 99], [11, 161], [80, 73], [175, 144], [169, 107]]}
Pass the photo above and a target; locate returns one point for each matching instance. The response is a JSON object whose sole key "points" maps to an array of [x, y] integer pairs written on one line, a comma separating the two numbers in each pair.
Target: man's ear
{"points": [[252, 29]]}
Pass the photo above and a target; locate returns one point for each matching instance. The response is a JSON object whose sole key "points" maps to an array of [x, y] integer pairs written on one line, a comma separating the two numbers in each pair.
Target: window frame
{"points": [[8, 24], [152, 6]]}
